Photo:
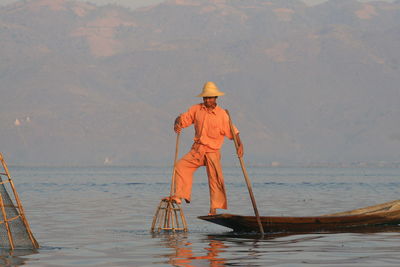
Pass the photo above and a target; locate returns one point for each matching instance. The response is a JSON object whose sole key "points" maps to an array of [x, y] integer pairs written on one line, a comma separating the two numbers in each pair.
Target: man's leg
{"points": [[185, 169], [216, 182]]}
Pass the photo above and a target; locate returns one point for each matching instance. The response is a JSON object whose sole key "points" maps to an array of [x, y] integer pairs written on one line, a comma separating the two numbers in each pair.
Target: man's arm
{"points": [[185, 119]]}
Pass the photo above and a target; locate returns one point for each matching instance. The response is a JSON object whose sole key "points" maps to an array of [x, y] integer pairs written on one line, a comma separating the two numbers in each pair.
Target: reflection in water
{"points": [[13, 257], [183, 251], [271, 236], [251, 247]]}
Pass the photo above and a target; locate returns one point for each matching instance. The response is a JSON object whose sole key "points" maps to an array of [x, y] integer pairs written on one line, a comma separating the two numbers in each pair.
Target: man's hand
{"points": [[240, 150], [177, 125]]}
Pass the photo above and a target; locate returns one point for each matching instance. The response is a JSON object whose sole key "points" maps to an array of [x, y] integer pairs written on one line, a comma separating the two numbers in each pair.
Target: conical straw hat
{"points": [[210, 89]]}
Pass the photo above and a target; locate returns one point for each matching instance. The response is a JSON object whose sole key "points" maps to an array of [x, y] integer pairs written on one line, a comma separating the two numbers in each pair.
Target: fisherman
{"points": [[211, 124]]}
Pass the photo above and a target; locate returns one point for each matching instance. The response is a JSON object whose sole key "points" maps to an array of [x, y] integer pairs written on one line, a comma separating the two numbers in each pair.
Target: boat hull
{"points": [[375, 216]]}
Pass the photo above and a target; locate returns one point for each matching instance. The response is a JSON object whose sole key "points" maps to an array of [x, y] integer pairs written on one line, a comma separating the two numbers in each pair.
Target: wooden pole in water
{"points": [[246, 177]]}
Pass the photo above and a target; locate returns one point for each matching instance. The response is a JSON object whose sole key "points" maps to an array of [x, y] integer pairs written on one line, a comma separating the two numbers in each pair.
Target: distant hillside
{"points": [[81, 83]]}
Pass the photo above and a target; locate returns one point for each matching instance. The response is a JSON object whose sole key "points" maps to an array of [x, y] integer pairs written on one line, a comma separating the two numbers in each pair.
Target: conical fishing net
{"points": [[14, 228], [16, 225]]}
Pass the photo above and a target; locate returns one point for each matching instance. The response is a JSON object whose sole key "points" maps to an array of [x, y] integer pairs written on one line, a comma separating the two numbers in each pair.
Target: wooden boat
{"points": [[386, 214]]}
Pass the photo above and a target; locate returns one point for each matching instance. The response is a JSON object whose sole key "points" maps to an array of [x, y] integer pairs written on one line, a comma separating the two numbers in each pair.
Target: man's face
{"points": [[210, 102]]}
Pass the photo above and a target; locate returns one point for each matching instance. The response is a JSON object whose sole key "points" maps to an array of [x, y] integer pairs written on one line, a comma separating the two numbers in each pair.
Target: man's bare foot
{"points": [[175, 199], [212, 211]]}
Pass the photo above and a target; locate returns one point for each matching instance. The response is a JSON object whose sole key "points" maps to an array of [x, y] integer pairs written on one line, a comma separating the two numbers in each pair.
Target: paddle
{"points": [[246, 177]]}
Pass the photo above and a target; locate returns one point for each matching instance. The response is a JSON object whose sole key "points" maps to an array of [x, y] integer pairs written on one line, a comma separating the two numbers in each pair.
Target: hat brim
{"points": [[210, 94]]}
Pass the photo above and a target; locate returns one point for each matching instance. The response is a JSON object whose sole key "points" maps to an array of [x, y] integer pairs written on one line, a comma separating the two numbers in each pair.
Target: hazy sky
{"points": [[140, 3]]}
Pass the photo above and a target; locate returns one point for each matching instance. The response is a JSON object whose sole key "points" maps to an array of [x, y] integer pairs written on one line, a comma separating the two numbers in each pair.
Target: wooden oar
{"points": [[246, 177]]}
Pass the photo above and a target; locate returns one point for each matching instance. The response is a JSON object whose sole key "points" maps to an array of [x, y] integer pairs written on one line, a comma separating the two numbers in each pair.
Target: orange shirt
{"points": [[210, 126]]}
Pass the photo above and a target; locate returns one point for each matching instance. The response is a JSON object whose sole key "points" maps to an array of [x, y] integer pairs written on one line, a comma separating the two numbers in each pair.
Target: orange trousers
{"points": [[186, 167]]}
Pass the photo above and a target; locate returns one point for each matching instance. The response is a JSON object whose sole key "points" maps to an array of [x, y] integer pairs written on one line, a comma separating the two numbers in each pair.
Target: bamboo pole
{"points": [[166, 217], [159, 223], [153, 225], [185, 229], [246, 177], [171, 216], [19, 204], [176, 217], [172, 190]]}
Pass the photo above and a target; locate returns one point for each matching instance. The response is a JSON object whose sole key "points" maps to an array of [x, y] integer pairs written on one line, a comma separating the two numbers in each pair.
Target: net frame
{"points": [[15, 231]]}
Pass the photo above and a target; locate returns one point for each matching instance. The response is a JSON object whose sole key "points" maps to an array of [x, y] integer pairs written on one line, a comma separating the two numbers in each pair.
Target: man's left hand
{"points": [[240, 149]]}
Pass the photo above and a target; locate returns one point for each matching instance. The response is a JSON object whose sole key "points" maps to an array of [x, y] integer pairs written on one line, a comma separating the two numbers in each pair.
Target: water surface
{"points": [[101, 216]]}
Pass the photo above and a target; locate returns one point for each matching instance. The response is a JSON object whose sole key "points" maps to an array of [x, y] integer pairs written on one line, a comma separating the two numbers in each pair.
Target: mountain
{"points": [[84, 85]]}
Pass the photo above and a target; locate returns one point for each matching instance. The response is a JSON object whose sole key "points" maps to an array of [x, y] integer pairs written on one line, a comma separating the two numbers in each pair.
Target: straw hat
{"points": [[210, 89]]}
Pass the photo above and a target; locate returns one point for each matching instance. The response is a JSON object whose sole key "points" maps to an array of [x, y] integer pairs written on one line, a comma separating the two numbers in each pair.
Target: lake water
{"points": [[101, 216]]}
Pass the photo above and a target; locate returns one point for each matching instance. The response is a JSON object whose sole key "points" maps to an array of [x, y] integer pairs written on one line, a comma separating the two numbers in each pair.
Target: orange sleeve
{"points": [[227, 128], [187, 118], [235, 130]]}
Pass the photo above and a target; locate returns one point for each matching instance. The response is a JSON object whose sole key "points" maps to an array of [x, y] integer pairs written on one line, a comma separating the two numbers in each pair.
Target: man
{"points": [[211, 125]]}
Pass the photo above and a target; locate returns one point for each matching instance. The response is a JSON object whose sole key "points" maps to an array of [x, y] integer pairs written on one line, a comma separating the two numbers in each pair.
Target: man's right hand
{"points": [[177, 125]]}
